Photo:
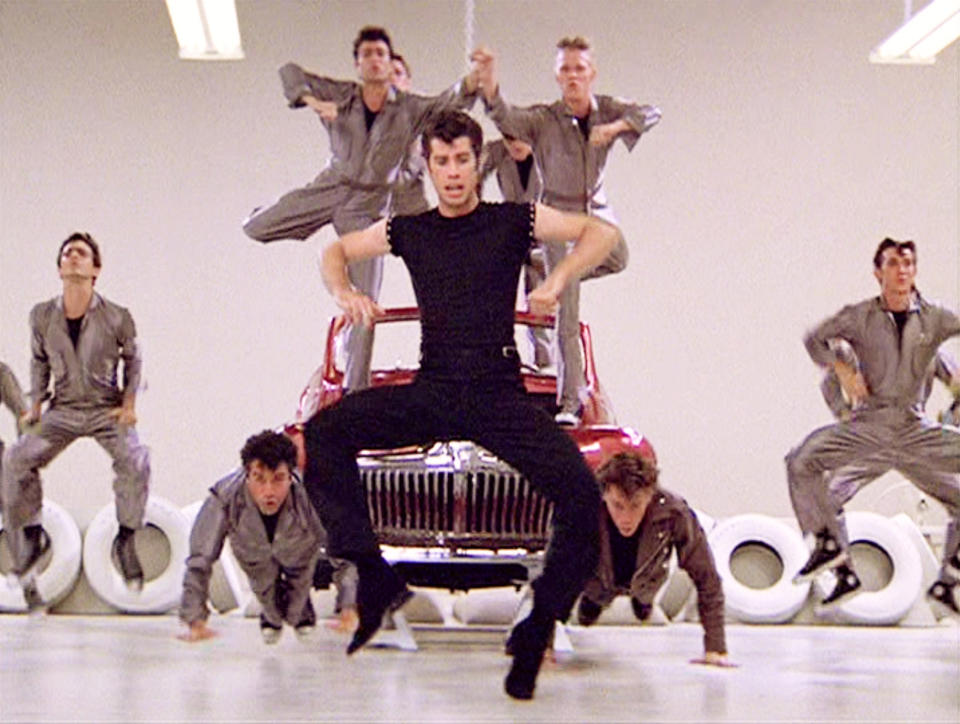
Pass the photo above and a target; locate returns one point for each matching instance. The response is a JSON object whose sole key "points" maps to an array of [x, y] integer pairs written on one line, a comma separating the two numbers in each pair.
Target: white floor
{"points": [[131, 668]]}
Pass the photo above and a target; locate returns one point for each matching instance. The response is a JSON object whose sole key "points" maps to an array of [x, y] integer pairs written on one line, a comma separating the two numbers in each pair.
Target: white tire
{"points": [[160, 594], [777, 603], [892, 602], [60, 575]]}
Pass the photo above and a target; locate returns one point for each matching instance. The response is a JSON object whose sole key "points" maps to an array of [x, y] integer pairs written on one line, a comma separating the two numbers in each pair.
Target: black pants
{"points": [[478, 399]]}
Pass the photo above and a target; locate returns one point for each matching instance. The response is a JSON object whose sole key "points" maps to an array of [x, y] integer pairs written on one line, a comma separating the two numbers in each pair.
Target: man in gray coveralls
{"points": [[518, 177], [275, 535], [571, 139], [12, 397], [81, 338], [895, 337], [371, 130]]}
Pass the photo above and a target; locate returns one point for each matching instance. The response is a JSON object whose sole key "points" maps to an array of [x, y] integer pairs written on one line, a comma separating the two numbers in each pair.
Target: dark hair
{"points": [[576, 42], [86, 239], [900, 246], [448, 126], [371, 34], [628, 471], [403, 62], [270, 448]]}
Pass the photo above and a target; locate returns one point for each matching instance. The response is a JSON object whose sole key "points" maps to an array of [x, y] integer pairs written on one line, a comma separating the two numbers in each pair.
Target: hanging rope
{"points": [[468, 27]]}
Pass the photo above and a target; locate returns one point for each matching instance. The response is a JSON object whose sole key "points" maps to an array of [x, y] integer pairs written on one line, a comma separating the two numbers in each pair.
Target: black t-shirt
{"points": [[369, 117], [73, 327], [901, 319], [270, 524], [624, 553], [524, 168], [465, 271], [584, 125]]}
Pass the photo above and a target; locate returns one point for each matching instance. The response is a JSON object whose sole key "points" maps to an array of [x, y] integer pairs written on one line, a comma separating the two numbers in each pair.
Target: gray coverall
{"points": [[280, 572], [573, 181], [408, 197], [888, 431], [847, 481], [497, 159], [12, 397], [86, 391], [353, 190]]}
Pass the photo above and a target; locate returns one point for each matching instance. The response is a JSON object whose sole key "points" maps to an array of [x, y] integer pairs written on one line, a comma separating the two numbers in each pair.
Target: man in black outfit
{"points": [[464, 259]]}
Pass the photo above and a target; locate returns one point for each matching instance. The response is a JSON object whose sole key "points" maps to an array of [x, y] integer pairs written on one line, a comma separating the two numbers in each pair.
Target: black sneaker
{"points": [[529, 641], [848, 586], [588, 611], [942, 597], [36, 543], [826, 554], [953, 565], [126, 554], [641, 610]]}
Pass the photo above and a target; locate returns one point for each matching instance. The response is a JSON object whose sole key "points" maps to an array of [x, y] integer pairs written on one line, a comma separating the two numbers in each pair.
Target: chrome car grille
{"points": [[455, 495]]}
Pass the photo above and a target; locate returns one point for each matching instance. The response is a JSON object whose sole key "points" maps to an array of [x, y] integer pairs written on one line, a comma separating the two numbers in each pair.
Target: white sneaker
{"points": [[567, 419], [270, 635], [304, 632]]}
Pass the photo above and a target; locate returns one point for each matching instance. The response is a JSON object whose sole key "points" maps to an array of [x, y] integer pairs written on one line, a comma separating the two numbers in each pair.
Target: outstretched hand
{"points": [[483, 72]]}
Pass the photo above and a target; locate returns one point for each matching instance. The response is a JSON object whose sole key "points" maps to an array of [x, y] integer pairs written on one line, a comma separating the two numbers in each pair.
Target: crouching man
{"points": [[640, 525], [275, 535]]}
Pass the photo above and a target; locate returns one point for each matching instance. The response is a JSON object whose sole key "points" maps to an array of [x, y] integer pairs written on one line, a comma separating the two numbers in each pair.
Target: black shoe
{"points": [[31, 594], [126, 554], [528, 644], [943, 598], [848, 586], [588, 611], [641, 610], [36, 543], [826, 554], [953, 565], [380, 591]]}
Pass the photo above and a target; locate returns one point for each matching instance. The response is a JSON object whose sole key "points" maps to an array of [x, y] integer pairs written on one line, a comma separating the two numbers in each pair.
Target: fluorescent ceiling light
{"points": [[922, 36], [206, 29]]}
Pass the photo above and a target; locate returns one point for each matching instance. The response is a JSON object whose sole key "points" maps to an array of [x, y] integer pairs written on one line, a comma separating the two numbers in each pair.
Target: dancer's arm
{"points": [[355, 246], [594, 239]]}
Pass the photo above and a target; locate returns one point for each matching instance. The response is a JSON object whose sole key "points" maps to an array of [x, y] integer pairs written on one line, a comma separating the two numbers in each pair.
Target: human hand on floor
{"points": [[197, 631]]}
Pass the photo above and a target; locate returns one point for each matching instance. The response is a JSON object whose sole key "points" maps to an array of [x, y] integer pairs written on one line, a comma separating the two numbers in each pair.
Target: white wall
{"points": [[752, 211]]}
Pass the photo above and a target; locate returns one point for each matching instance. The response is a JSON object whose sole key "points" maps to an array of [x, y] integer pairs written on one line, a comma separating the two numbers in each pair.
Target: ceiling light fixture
{"points": [[206, 29], [921, 36]]}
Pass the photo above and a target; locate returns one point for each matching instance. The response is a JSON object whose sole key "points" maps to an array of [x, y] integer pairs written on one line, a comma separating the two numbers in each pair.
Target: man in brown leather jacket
{"points": [[640, 525]]}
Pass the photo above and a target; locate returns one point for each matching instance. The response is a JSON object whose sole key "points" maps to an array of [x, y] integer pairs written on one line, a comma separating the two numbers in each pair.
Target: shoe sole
{"points": [[941, 609], [822, 568], [362, 637], [840, 600]]}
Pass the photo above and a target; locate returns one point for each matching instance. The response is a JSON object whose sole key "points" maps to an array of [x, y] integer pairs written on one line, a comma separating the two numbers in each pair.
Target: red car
{"points": [[455, 498]]}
